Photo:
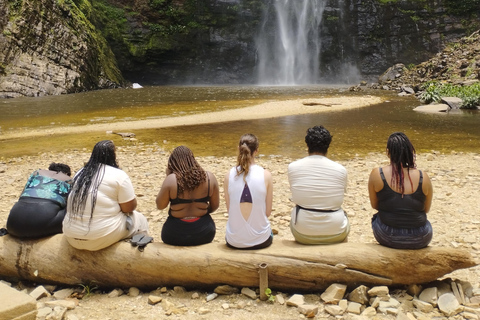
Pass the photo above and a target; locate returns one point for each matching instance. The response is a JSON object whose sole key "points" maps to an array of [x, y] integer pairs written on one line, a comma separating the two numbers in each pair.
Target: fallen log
{"points": [[291, 266]]}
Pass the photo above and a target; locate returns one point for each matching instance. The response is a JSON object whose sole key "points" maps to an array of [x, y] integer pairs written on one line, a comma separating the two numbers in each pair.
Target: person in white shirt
{"points": [[248, 195], [101, 204], [318, 185]]}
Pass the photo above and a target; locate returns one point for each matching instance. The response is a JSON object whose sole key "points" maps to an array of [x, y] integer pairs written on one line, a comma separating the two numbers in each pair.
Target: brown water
{"points": [[356, 131]]}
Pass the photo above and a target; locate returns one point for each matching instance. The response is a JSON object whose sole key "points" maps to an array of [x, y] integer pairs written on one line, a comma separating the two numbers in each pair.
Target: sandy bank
{"points": [[265, 110]]}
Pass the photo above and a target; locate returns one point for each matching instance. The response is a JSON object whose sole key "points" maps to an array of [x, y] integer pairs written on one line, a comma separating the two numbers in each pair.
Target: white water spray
{"points": [[290, 53]]}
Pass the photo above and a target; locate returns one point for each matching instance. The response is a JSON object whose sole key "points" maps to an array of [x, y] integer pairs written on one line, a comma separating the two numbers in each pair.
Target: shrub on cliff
{"points": [[434, 91]]}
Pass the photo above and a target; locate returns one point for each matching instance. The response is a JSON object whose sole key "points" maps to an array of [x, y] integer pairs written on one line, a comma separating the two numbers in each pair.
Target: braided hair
{"points": [[89, 178], [402, 155], [188, 172], [318, 139], [247, 145]]}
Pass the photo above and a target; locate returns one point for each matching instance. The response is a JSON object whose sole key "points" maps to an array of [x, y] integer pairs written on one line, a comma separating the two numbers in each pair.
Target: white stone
{"points": [[422, 306], [203, 311], [115, 293], [343, 304], [429, 295], [68, 304], [133, 292], [378, 291], [249, 293], [354, 307], [334, 293], [280, 299], [62, 294], [359, 295], [391, 303], [369, 312], [334, 310], [296, 300], [308, 310], [39, 292], [153, 300], [42, 313], [448, 304], [211, 296]]}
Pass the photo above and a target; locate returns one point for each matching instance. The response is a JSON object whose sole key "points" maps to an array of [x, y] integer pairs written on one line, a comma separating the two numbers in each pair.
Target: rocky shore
{"points": [[455, 177]]}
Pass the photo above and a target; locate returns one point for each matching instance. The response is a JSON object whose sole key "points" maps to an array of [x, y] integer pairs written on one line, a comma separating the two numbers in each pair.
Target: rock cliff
{"points": [[63, 46], [48, 47]]}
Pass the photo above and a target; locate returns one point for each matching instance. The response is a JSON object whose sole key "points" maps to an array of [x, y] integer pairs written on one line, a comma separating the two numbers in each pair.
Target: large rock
{"points": [[291, 266], [49, 47]]}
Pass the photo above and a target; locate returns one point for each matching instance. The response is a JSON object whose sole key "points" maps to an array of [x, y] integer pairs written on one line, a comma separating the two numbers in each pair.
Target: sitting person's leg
{"points": [[35, 218], [265, 244], [320, 239], [137, 224], [178, 232], [401, 238]]}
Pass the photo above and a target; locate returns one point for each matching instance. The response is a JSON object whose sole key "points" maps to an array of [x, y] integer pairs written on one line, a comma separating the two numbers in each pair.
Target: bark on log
{"points": [[291, 266]]}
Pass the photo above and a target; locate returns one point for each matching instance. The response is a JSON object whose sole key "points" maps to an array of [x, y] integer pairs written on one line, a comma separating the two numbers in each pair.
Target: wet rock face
{"points": [[48, 49]]}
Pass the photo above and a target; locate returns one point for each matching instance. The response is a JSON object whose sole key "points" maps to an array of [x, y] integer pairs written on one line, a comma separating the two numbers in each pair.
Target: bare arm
{"points": [[225, 190], [372, 183], [129, 206], [428, 191], [269, 198], [163, 196], [215, 197]]}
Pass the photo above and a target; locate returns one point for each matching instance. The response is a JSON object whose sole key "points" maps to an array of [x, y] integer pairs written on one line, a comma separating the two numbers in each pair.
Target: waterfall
{"points": [[288, 45]]}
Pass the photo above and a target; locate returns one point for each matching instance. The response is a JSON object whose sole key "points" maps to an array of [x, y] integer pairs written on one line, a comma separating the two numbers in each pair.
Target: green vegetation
{"points": [[463, 7], [271, 297], [434, 91]]}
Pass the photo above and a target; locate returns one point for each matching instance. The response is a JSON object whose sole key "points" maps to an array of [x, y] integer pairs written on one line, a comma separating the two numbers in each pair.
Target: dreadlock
{"points": [[247, 145], [402, 155], [89, 178], [188, 172]]}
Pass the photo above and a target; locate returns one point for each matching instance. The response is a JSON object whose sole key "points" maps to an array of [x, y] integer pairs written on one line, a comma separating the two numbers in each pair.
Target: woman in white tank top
{"points": [[248, 190]]}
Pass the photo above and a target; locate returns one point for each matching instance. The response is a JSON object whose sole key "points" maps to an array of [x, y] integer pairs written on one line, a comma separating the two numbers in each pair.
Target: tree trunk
{"points": [[291, 266]]}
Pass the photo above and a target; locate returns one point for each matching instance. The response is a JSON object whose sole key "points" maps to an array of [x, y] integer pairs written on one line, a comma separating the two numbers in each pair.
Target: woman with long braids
{"points": [[248, 194], [193, 194], [101, 205], [402, 194]]}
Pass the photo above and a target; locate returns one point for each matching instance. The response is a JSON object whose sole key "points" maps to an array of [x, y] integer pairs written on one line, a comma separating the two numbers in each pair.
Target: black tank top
{"points": [[397, 211], [205, 199]]}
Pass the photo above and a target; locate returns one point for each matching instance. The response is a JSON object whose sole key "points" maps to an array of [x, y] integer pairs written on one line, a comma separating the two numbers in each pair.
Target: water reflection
{"points": [[356, 131]]}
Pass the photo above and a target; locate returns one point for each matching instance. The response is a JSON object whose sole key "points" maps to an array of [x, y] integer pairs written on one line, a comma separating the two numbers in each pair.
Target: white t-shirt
{"points": [[114, 189], [317, 182], [256, 230]]}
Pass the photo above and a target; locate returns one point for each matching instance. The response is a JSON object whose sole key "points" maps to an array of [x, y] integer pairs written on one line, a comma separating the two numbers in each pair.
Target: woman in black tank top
{"points": [[192, 194], [402, 194]]}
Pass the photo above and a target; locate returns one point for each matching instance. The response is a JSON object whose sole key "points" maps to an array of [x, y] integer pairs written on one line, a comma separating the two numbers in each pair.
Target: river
{"points": [[357, 131]]}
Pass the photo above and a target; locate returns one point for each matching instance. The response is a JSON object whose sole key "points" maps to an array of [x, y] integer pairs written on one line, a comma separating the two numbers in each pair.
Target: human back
{"points": [[248, 196], [402, 196], [192, 194]]}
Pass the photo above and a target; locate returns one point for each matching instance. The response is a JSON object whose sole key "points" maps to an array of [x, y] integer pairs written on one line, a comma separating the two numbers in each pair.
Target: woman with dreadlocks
{"points": [[101, 205], [248, 195], [402, 194], [193, 194]]}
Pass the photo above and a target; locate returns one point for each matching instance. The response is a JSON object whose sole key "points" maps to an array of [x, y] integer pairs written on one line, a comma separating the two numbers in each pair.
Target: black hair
{"points": [[402, 155], [89, 178], [318, 139], [60, 167], [187, 170]]}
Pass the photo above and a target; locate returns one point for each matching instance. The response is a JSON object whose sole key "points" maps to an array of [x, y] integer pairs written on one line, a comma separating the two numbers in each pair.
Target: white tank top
{"points": [[256, 230]]}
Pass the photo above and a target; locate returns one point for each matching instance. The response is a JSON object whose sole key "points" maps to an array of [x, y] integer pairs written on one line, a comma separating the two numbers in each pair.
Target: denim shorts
{"points": [[401, 238]]}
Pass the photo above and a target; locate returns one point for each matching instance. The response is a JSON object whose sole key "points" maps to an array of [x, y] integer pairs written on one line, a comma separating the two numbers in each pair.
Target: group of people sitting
{"points": [[96, 208]]}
